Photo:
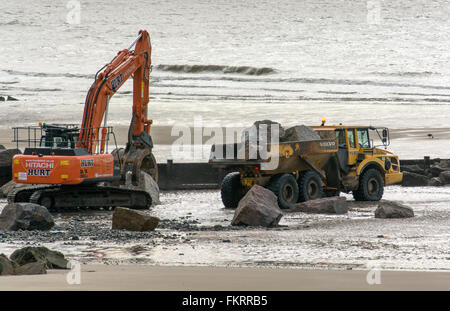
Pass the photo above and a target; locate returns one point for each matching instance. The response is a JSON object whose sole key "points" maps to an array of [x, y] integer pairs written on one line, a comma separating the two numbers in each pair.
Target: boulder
{"points": [[252, 134], [391, 209], [51, 259], [412, 169], [128, 219], [435, 182], [259, 207], [331, 205], [300, 133], [6, 155], [436, 170], [2, 147], [6, 164], [7, 266], [445, 177], [414, 180], [25, 216], [147, 183], [31, 268], [9, 186], [252, 143]]}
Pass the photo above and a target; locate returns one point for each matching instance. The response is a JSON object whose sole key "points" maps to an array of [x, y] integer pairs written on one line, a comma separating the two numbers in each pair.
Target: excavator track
{"points": [[73, 198]]}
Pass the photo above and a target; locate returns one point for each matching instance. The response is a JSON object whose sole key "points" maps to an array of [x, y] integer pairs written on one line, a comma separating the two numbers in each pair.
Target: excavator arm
{"points": [[128, 63]]}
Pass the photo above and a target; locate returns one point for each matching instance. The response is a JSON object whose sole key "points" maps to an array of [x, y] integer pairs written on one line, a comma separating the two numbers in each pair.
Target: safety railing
{"points": [[63, 136]]}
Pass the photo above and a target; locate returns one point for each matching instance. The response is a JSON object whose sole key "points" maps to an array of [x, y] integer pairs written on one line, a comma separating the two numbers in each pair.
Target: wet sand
{"points": [[140, 277]]}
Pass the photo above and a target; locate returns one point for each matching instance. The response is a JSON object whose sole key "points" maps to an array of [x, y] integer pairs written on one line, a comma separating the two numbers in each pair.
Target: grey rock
{"points": [[6, 156], [436, 170], [252, 134], [331, 205], [25, 216], [148, 184], [259, 207], [412, 169], [300, 133], [31, 268], [7, 266], [255, 138], [391, 209], [128, 219], [444, 164], [414, 180], [9, 186], [445, 177], [2, 147], [51, 259], [435, 182]]}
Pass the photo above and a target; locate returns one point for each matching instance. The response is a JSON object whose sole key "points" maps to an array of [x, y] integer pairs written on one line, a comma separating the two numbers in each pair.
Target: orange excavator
{"points": [[70, 167]]}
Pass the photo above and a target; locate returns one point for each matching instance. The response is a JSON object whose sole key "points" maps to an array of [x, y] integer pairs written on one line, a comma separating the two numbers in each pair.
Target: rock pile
{"points": [[416, 176], [261, 132], [32, 260]]}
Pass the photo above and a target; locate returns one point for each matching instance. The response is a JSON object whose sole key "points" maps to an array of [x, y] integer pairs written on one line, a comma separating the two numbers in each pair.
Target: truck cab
{"points": [[359, 152]]}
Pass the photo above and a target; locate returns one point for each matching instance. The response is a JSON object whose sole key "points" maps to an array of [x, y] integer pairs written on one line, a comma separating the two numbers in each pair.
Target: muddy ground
{"points": [[195, 230]]}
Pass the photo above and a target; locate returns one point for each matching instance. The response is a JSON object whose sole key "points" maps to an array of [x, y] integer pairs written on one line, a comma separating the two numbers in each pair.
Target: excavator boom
{"points": [[127, 63]]}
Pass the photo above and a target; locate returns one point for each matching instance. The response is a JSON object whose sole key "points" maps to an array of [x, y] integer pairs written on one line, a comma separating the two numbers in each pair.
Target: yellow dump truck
{"points": [[342, 159]]}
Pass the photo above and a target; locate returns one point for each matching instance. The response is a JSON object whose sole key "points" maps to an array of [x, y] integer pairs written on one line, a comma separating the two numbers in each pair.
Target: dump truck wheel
{"points": [[310, 186], [371, 186], [232, 190], [285, 188]]}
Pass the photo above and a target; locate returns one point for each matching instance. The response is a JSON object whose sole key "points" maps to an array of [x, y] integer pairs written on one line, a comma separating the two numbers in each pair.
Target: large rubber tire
{"points": [[285, 187], [371, 186], [232, 190], [310, 186]]}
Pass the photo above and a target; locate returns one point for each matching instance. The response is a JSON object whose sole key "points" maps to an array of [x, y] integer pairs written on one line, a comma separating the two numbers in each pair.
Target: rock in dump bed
{"points": [[295, 133], [300, 133]]}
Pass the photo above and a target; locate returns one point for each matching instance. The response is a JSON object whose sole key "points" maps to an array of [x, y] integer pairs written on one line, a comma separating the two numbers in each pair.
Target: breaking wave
{"points": [[407, 74], [247, 70]]}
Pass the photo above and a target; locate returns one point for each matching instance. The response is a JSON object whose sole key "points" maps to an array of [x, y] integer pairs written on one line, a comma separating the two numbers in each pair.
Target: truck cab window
{"points": [[351, 138], [340, 135], [363, 138]]}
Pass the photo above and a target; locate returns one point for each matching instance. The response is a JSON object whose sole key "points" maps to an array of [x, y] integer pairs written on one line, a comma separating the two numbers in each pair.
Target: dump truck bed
{"points": [[240, 154]]}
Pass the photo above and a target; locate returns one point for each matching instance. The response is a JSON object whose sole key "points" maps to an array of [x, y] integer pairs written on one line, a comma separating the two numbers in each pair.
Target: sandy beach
{"points": [[164, 278]]}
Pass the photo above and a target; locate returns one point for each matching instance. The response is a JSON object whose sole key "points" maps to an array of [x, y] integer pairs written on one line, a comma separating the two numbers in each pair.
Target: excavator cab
{"points": [[59, 136]]}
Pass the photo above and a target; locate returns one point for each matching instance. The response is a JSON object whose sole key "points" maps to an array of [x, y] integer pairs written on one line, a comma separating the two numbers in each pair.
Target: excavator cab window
{"points": [[58, 138]]}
